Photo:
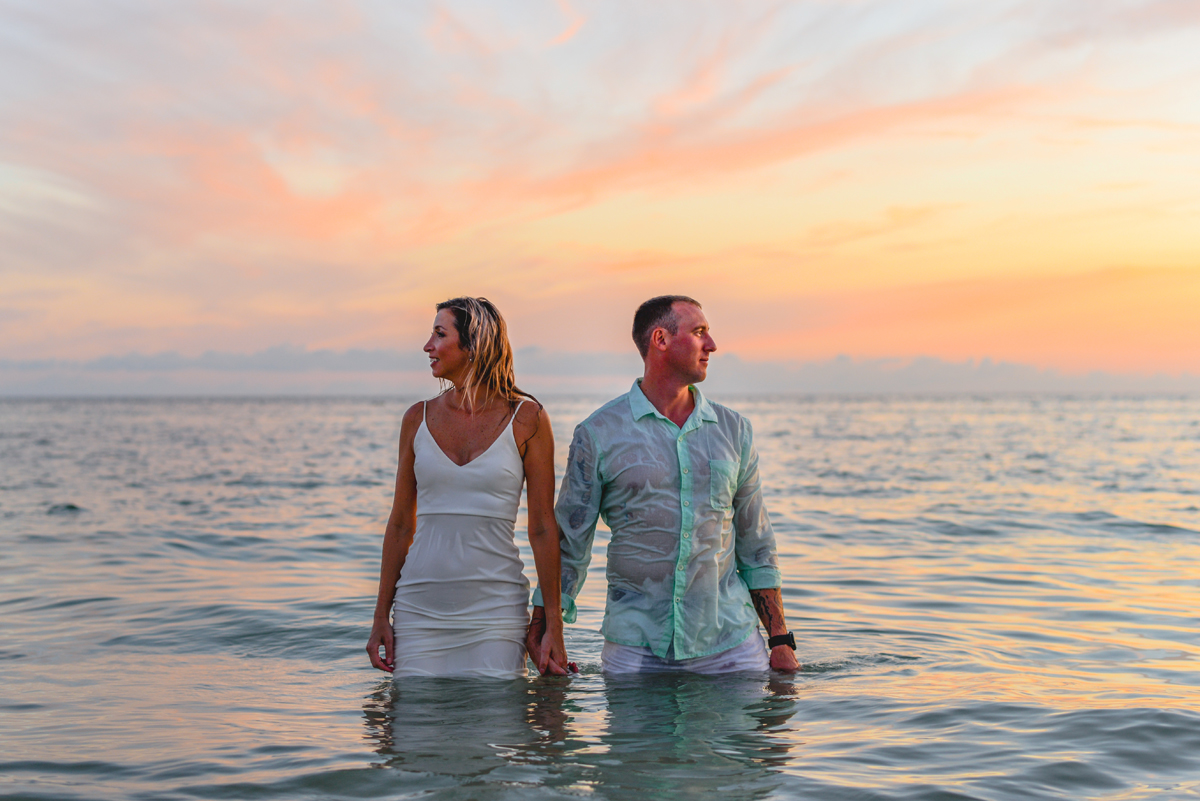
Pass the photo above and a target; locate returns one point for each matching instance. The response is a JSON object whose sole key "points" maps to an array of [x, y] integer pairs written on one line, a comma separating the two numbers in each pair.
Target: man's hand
{"points": [[784, 659]]}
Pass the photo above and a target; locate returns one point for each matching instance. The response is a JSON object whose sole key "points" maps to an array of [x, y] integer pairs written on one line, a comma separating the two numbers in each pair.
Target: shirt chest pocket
{"points": [[723, 475]]}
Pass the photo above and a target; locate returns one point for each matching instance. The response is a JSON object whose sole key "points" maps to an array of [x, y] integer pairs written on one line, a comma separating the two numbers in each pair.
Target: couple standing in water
{"points": [[692, 566]]}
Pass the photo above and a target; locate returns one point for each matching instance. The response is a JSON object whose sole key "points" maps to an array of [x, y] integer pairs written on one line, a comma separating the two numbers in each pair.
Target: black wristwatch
{"points": [[788, 639]]}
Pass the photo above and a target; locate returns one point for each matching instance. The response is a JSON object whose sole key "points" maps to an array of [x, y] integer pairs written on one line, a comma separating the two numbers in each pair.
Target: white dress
{"points": [[462, 600]]}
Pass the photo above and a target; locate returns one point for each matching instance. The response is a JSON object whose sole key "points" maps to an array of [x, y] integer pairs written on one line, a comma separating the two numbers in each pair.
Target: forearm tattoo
{"points": [[770, 610]]}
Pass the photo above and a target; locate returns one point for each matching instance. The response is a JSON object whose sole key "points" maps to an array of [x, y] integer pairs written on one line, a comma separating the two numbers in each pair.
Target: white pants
{"points": [[752, 654]]}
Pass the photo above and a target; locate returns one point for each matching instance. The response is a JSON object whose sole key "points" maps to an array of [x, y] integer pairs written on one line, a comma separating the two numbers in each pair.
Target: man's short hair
{"points": [[657, 312]]}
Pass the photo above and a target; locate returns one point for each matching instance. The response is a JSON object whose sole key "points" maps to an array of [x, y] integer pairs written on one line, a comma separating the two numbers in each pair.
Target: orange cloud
{"points": [[251, 177]]}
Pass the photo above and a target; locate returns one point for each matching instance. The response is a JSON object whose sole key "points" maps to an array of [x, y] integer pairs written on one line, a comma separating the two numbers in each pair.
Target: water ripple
{"points": [[994, 598]]}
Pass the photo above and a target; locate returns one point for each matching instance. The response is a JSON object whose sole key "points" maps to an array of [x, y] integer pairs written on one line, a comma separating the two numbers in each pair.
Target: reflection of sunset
{"points": [[956, 182], [984, 591]]}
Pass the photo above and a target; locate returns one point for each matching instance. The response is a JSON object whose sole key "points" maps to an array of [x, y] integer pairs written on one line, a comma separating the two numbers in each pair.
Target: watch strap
{"points": [[788, 639]]}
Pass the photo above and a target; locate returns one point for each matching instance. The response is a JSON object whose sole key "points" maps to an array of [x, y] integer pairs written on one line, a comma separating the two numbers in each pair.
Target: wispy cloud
{"points": [[202, 175], [574, 23]]}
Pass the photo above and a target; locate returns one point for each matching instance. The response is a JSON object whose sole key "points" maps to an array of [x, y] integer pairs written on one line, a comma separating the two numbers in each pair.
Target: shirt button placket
{"points": [[685, 524]]}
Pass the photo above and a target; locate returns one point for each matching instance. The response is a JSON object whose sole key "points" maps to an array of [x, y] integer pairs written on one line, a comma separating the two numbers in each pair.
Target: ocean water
{"points": [[995, 598]]}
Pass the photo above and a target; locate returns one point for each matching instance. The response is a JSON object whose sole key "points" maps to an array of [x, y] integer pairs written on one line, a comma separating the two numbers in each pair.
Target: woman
{"points": [[450, 566]]}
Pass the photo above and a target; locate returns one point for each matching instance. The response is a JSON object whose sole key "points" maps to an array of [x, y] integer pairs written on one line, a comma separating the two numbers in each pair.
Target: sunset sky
{"points": [[1011, 180]]}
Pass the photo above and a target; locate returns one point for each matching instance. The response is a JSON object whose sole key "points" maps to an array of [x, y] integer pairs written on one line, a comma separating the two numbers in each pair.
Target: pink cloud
{"points": [[574, 25], [289, 153]]}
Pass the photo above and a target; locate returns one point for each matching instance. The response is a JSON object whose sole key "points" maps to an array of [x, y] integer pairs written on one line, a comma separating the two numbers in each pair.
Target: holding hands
{"points": [[545, 645]]}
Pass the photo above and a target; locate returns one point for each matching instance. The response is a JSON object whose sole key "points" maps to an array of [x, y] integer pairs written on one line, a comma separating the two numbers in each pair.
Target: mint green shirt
{"points": [[690, 535]]}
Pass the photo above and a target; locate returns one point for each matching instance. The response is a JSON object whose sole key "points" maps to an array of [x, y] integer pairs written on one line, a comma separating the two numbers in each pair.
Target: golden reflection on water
{"points": [[992, 597]]}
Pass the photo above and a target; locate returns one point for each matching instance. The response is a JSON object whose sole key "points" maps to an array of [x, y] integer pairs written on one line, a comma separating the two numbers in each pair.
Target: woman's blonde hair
{"points": [[483, 333]]}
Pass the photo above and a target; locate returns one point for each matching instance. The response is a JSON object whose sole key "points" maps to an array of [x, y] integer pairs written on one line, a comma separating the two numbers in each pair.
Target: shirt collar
{"points": [[641, 406]]}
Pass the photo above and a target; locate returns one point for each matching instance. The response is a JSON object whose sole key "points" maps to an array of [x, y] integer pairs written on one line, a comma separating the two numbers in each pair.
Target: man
{"points": [[691, 564]]}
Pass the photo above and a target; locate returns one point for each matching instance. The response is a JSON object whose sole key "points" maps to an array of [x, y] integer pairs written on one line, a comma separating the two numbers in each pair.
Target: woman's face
{"points": [[447, 359]]}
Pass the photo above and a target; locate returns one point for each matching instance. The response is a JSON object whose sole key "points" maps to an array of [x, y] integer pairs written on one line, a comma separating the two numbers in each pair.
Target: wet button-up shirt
{"points": [[690, 535]]}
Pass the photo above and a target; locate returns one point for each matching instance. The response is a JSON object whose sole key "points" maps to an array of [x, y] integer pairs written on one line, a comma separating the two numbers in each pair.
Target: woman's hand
{"points": [[545, 647], [382, 634]]}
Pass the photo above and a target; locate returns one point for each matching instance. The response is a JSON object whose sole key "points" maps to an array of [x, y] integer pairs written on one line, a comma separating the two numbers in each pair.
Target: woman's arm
{"points": [[397, 537], [533, 427]]}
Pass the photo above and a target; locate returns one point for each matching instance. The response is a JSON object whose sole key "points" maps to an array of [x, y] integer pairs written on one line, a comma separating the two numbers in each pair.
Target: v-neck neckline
{"points": [[442, 451]]}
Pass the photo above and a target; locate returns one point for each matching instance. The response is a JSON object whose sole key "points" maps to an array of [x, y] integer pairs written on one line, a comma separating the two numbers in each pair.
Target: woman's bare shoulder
{"points": [[531, 419], [413, 416], [531, 412]]}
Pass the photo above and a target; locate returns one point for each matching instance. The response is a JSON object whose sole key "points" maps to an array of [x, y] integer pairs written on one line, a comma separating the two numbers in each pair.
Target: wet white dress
{"points": [[462, 600]]}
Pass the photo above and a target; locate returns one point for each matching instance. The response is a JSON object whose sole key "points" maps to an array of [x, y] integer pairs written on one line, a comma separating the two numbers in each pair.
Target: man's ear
{"points": [[658, 338]]}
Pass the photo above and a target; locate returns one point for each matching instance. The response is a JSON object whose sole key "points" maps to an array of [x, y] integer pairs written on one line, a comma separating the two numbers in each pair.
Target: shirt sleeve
{"points": [[577, 510], [754, 549]]}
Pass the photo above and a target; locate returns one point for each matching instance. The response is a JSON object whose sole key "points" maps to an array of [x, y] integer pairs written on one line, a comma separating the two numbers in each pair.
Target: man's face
{"points": [[688, 350]]}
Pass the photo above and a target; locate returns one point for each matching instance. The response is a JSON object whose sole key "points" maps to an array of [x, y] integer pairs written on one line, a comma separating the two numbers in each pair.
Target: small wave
{"points": [[1152, 528], [253, 481], [1069, 775], [243, 547], [21, 707], [105, 770], [952, 529], [853, 661], [363, 482], [247, 632], [66, 603], [956, 716], [1109, 522], [874, 493]]}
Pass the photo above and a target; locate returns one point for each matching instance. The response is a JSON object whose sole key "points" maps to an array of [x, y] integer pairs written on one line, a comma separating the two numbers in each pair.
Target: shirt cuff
{"points": [[568, 604], [761, 578]]}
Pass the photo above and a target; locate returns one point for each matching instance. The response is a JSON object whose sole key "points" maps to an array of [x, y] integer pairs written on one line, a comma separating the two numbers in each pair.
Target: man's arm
{"points": [[768, 602], [754, 549]]}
